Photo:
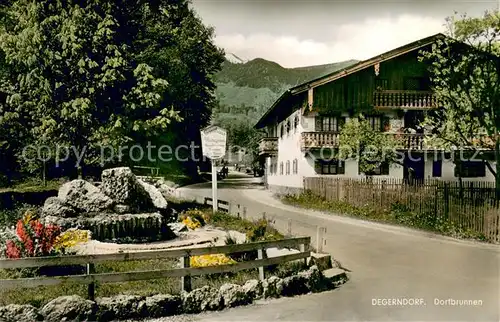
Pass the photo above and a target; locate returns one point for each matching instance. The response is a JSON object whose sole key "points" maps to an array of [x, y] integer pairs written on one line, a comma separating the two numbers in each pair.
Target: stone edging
{"points": [[123, 307]]}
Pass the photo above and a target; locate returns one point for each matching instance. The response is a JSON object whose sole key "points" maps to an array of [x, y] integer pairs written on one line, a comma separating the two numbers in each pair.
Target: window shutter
{"points": [[317, 167], [319, 123], [341, 169]]}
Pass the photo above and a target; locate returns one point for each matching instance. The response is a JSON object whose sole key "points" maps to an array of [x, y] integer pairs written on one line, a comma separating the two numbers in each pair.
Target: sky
{"points": [[297, 33]]}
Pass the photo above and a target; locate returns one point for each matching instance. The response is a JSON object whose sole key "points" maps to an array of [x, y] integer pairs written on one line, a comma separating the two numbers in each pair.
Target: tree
{"points": [[87, 74], [465, 72], [370, 147]]}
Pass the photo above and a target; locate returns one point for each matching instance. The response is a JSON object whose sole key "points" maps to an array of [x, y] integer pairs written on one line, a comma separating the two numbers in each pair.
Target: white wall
{"points": [[288, 150]]}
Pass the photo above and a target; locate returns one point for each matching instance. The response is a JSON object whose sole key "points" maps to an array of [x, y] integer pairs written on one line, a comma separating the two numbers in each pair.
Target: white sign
{"points": [[213, 142]]}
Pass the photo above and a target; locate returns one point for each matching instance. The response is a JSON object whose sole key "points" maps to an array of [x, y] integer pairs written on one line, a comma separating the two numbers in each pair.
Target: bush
{"points": [[240, 256], [258, 231], [9, 217]]}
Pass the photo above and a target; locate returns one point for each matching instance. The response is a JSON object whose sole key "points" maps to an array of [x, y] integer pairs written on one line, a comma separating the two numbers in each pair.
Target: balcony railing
{"points": [[410, 141], [268, 146], [319, 140], [404, 99]]}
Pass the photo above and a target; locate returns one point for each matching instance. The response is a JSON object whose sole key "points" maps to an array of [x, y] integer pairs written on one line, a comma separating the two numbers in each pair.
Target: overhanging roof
{"points": [[350, 70]]}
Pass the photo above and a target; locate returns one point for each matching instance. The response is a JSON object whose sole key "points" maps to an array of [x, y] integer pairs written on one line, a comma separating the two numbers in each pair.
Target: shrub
{"points": [[9, 217], [258, 231], [34, 239], [240, 256], [196, 214]]}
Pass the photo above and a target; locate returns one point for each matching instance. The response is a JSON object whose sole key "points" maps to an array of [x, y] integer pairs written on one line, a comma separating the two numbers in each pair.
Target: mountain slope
{"points": [[250, 88], [245, 90]]}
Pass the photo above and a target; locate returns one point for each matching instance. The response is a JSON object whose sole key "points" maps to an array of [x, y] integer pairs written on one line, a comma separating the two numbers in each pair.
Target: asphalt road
{"points": [[386, 262]]}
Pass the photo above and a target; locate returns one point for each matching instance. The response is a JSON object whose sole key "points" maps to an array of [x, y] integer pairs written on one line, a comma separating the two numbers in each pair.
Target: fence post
{"points": [[302, 248], [239, 211], [446, 200], [185, 280], [289, 228], [260, 255], [244, 212], [264, 215], [91, 286], [320, 239]]}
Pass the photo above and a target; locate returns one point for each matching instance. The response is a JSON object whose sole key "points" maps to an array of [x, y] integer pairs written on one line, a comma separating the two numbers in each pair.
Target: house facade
{"points": [[392, 91]]}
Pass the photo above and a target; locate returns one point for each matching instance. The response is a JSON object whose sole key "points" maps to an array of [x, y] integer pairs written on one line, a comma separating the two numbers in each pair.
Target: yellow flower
{"points": [[191, 223], [210, 260], [71, 238], [28, 215]]}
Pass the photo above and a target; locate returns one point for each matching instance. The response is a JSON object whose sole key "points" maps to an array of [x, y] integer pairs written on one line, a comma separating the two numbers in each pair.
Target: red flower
{"points": [[37, 227], [12, 250]]}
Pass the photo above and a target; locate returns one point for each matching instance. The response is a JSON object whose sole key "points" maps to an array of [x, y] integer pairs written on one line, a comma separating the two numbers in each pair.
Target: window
{"points": [[470, 169], [416, 84], [288, 129], [281, 168], [296, 122], [382, 169], [282, 130], [437, 167], [375, 122], [332, 124], [274, 167], [330, 167], [295, 166], [381, 84], [288, 167]]}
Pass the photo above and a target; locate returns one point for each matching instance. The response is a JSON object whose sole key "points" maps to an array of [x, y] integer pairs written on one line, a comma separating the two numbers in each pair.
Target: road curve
{"points": [[386, 263]]}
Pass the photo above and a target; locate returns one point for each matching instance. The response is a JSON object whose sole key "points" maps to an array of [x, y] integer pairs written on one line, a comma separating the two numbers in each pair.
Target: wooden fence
{"points": [[91, 278], [472, 205]]}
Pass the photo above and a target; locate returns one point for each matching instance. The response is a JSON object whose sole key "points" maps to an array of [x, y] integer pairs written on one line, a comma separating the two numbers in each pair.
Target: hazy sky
{"points": [[297, 33]]}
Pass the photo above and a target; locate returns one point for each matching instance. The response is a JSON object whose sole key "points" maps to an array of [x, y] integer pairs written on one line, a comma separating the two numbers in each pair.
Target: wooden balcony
{"points": [[268, 146], [313, 140], [409, 141], [404, 99]]}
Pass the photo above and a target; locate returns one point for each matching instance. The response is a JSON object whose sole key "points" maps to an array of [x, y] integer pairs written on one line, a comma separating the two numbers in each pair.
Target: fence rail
{"points": [[472, 205], [301, 243]]}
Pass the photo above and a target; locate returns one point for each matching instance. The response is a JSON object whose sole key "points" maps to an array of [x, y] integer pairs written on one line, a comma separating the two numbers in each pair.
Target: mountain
{"points": [[246, 89], [251, 87], [232, 58]]}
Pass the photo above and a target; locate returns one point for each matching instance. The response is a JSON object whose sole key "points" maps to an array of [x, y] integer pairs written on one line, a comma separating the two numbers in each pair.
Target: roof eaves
{"points": [[260, 124], [366, 63]]}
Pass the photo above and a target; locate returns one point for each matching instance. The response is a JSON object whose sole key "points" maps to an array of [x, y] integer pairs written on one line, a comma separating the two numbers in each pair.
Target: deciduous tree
{"points": [[465, 71]]}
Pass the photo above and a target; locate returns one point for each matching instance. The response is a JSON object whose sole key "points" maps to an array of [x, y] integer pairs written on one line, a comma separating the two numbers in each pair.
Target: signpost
{"points": [[213, 146]]}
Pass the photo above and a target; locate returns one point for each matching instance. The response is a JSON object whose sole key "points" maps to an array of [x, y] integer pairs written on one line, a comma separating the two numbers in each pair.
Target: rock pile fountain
{"points": [[122, 208]]}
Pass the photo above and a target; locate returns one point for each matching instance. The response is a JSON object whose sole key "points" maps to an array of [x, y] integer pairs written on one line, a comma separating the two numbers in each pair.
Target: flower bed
{"points": [[31, 238]]}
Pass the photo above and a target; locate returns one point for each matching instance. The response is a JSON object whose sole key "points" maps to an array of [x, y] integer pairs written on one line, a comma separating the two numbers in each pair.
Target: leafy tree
{"points": [[465, 71], [372, 148], [89, 73]]}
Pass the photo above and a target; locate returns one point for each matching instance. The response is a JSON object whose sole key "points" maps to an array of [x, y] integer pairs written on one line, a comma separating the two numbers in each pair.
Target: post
{"points": [[264, 215], [446, 200], [238, 210], [289, 227], [260, 255], [214, 186], [319, 239], [185, 280], [302, 248], [244, 212], [91, 286]]}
